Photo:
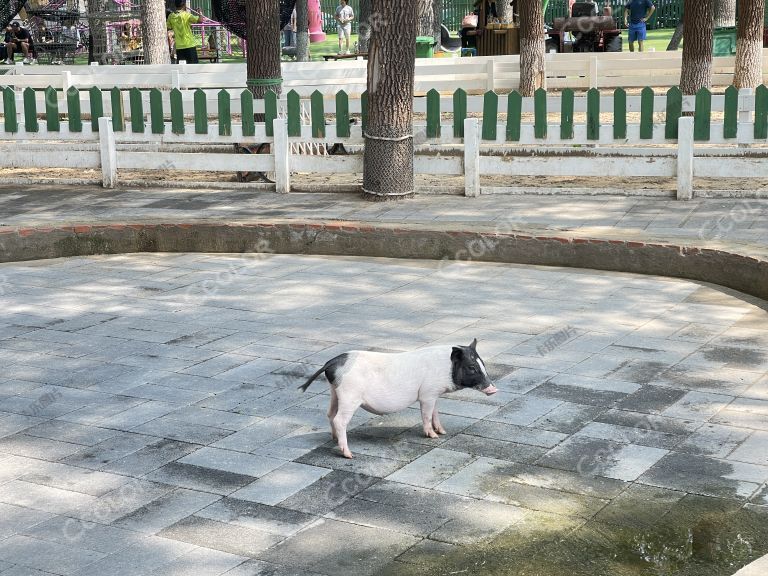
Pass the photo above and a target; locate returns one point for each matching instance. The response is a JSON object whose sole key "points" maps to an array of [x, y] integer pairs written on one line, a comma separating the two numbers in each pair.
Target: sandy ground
{"points": [[326, 182]]}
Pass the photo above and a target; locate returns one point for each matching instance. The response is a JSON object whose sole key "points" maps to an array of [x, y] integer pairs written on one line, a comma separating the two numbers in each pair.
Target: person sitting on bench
{"points": [[19, 40]]}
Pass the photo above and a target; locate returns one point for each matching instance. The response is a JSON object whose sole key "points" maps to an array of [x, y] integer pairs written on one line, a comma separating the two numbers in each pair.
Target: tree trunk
{"points": [[531, 46], [504, 10], [749, 44], [725, 13], [302, 31], [696, 72], [388, 157], [262, 19], [364, 25], [677, 36], [437, 19], [426, 18], [97, 30], [154, 35]]}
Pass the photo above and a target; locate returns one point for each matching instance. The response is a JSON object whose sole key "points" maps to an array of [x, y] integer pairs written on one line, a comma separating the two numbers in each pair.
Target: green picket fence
{"points": [[157, 114]]}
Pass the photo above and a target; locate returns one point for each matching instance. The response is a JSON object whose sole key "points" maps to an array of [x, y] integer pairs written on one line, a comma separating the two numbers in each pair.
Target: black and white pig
{"points": [[383, 383]]}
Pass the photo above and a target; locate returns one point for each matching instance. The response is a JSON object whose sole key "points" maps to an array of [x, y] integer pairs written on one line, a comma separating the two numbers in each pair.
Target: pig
{"points": [[383, 383]]}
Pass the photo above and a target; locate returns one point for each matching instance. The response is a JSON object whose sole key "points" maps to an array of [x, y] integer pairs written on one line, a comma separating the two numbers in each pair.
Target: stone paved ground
{"points": [[737, 220], [150, 422]]}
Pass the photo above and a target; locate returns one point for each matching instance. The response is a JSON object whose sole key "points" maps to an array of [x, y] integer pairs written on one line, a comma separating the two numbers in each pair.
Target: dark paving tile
{"points": [[200, 478], [364, 552], [150, 457], [651, 399], [519, 434], [705, 476], [329, 492], [578, 395], [664, 424], [639, 371], [639, 506], [598, 457], [101, 454], [415, 520], [220, 536], [261, 568], [492, 448], [280, 521], [568, 417], [330, 457]]}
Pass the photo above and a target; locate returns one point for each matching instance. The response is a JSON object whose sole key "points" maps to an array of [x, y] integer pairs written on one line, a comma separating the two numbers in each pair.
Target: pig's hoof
{"points": [[441, 430], [347, 454], [431, 434]]}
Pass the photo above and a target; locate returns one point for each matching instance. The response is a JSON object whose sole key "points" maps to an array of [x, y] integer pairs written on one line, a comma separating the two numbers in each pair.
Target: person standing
{"points": [[344, 16], [179, 22], [638, 12]]}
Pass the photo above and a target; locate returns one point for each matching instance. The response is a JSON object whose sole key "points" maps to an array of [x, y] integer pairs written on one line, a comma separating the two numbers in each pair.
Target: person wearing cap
{"points": [[19, 40]]}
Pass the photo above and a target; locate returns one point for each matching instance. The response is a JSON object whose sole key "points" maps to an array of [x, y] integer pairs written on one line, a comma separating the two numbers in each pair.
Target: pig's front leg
{"points": [[427, 409], [436, 422], [346, 409]]}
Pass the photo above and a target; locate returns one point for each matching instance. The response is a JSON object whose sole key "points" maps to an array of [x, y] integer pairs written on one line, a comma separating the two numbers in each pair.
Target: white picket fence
{"points": [[447, 155], [501, 73]]}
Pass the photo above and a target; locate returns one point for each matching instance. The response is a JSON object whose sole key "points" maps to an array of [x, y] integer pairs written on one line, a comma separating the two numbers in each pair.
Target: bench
{"points": [[363, 55], [210, 54]]}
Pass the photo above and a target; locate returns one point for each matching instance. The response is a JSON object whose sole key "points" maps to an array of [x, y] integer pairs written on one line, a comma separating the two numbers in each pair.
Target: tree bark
{"points": [[97, 30], [388, 156], [262, 18], [302, 31], [154, 35], [749, 44], [364, 25], [426, 18], [725, 13], [677, 36], [531, 46], [504, 10], [698, 21], [437, 19]]}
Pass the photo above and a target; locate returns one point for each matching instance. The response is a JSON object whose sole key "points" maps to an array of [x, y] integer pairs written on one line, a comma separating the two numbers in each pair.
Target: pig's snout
{"points": [[491, 389]]}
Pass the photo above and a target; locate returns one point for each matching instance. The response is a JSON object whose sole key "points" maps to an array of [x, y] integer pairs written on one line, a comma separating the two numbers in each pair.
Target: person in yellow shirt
{"points": [[179, 22]]}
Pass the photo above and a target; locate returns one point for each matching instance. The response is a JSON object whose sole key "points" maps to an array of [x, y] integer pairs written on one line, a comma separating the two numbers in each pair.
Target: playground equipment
{"points": [[231, 13], [591, 33]]}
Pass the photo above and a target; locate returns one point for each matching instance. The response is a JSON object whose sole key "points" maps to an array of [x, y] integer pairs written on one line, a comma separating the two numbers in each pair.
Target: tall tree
{"points": [[388, 156], [364, 25], [749, 44], [677, 36], [302, 31], [97, 30], [531, 46], [504, 10], [154, 35], [426, 17], [698, 21], [262, 19], [725, 13], [437, 19]]}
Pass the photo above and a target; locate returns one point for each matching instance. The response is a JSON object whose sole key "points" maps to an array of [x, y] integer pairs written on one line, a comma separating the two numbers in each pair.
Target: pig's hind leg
{"points": [[334, 408], [427, 409], [346, 409], [436, 422]]}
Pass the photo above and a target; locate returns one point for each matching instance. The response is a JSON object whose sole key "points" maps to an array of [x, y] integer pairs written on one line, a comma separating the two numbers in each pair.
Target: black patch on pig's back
{"points": [[334, 366]]}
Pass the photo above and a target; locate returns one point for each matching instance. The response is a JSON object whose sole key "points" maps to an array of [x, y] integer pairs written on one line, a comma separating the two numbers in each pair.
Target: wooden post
{"points": [[593, 80], [471, 157], [685, 158], [282, 153], [108, 152]]}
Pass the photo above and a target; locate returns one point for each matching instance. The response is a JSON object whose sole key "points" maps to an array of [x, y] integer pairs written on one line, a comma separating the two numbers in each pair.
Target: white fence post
{"points": [[175, 79], [471, 157], [745, 116], [282, 154], [593, 71], [108, 153], [685, 158], [491, 80], [66, 81]]}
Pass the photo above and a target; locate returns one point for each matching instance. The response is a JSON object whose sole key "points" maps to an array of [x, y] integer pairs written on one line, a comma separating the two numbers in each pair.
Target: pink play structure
{"points": [[316, 33]]}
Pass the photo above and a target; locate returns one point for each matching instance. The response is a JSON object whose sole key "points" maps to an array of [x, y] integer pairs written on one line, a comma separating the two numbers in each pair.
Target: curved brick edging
{"points": [[723, 266]]}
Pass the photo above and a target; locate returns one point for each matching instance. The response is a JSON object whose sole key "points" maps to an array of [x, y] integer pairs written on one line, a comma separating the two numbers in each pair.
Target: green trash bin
{"points": [[424, 46], [724, 42]]}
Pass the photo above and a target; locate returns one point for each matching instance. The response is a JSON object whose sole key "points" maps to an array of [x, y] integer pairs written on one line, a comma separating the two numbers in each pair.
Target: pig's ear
{"points": [[473, 346], [457, 353]]}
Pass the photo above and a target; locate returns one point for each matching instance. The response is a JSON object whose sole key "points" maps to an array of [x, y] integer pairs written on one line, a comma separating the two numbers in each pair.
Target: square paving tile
{"points": [[598, 457], [328, 492], [47, 556], [275, 520], [165, 510], [431, 468], [199, 478], [280, 483], [231, 461], [366, 549], [492, 448], [714, 440], [229, 538]]}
